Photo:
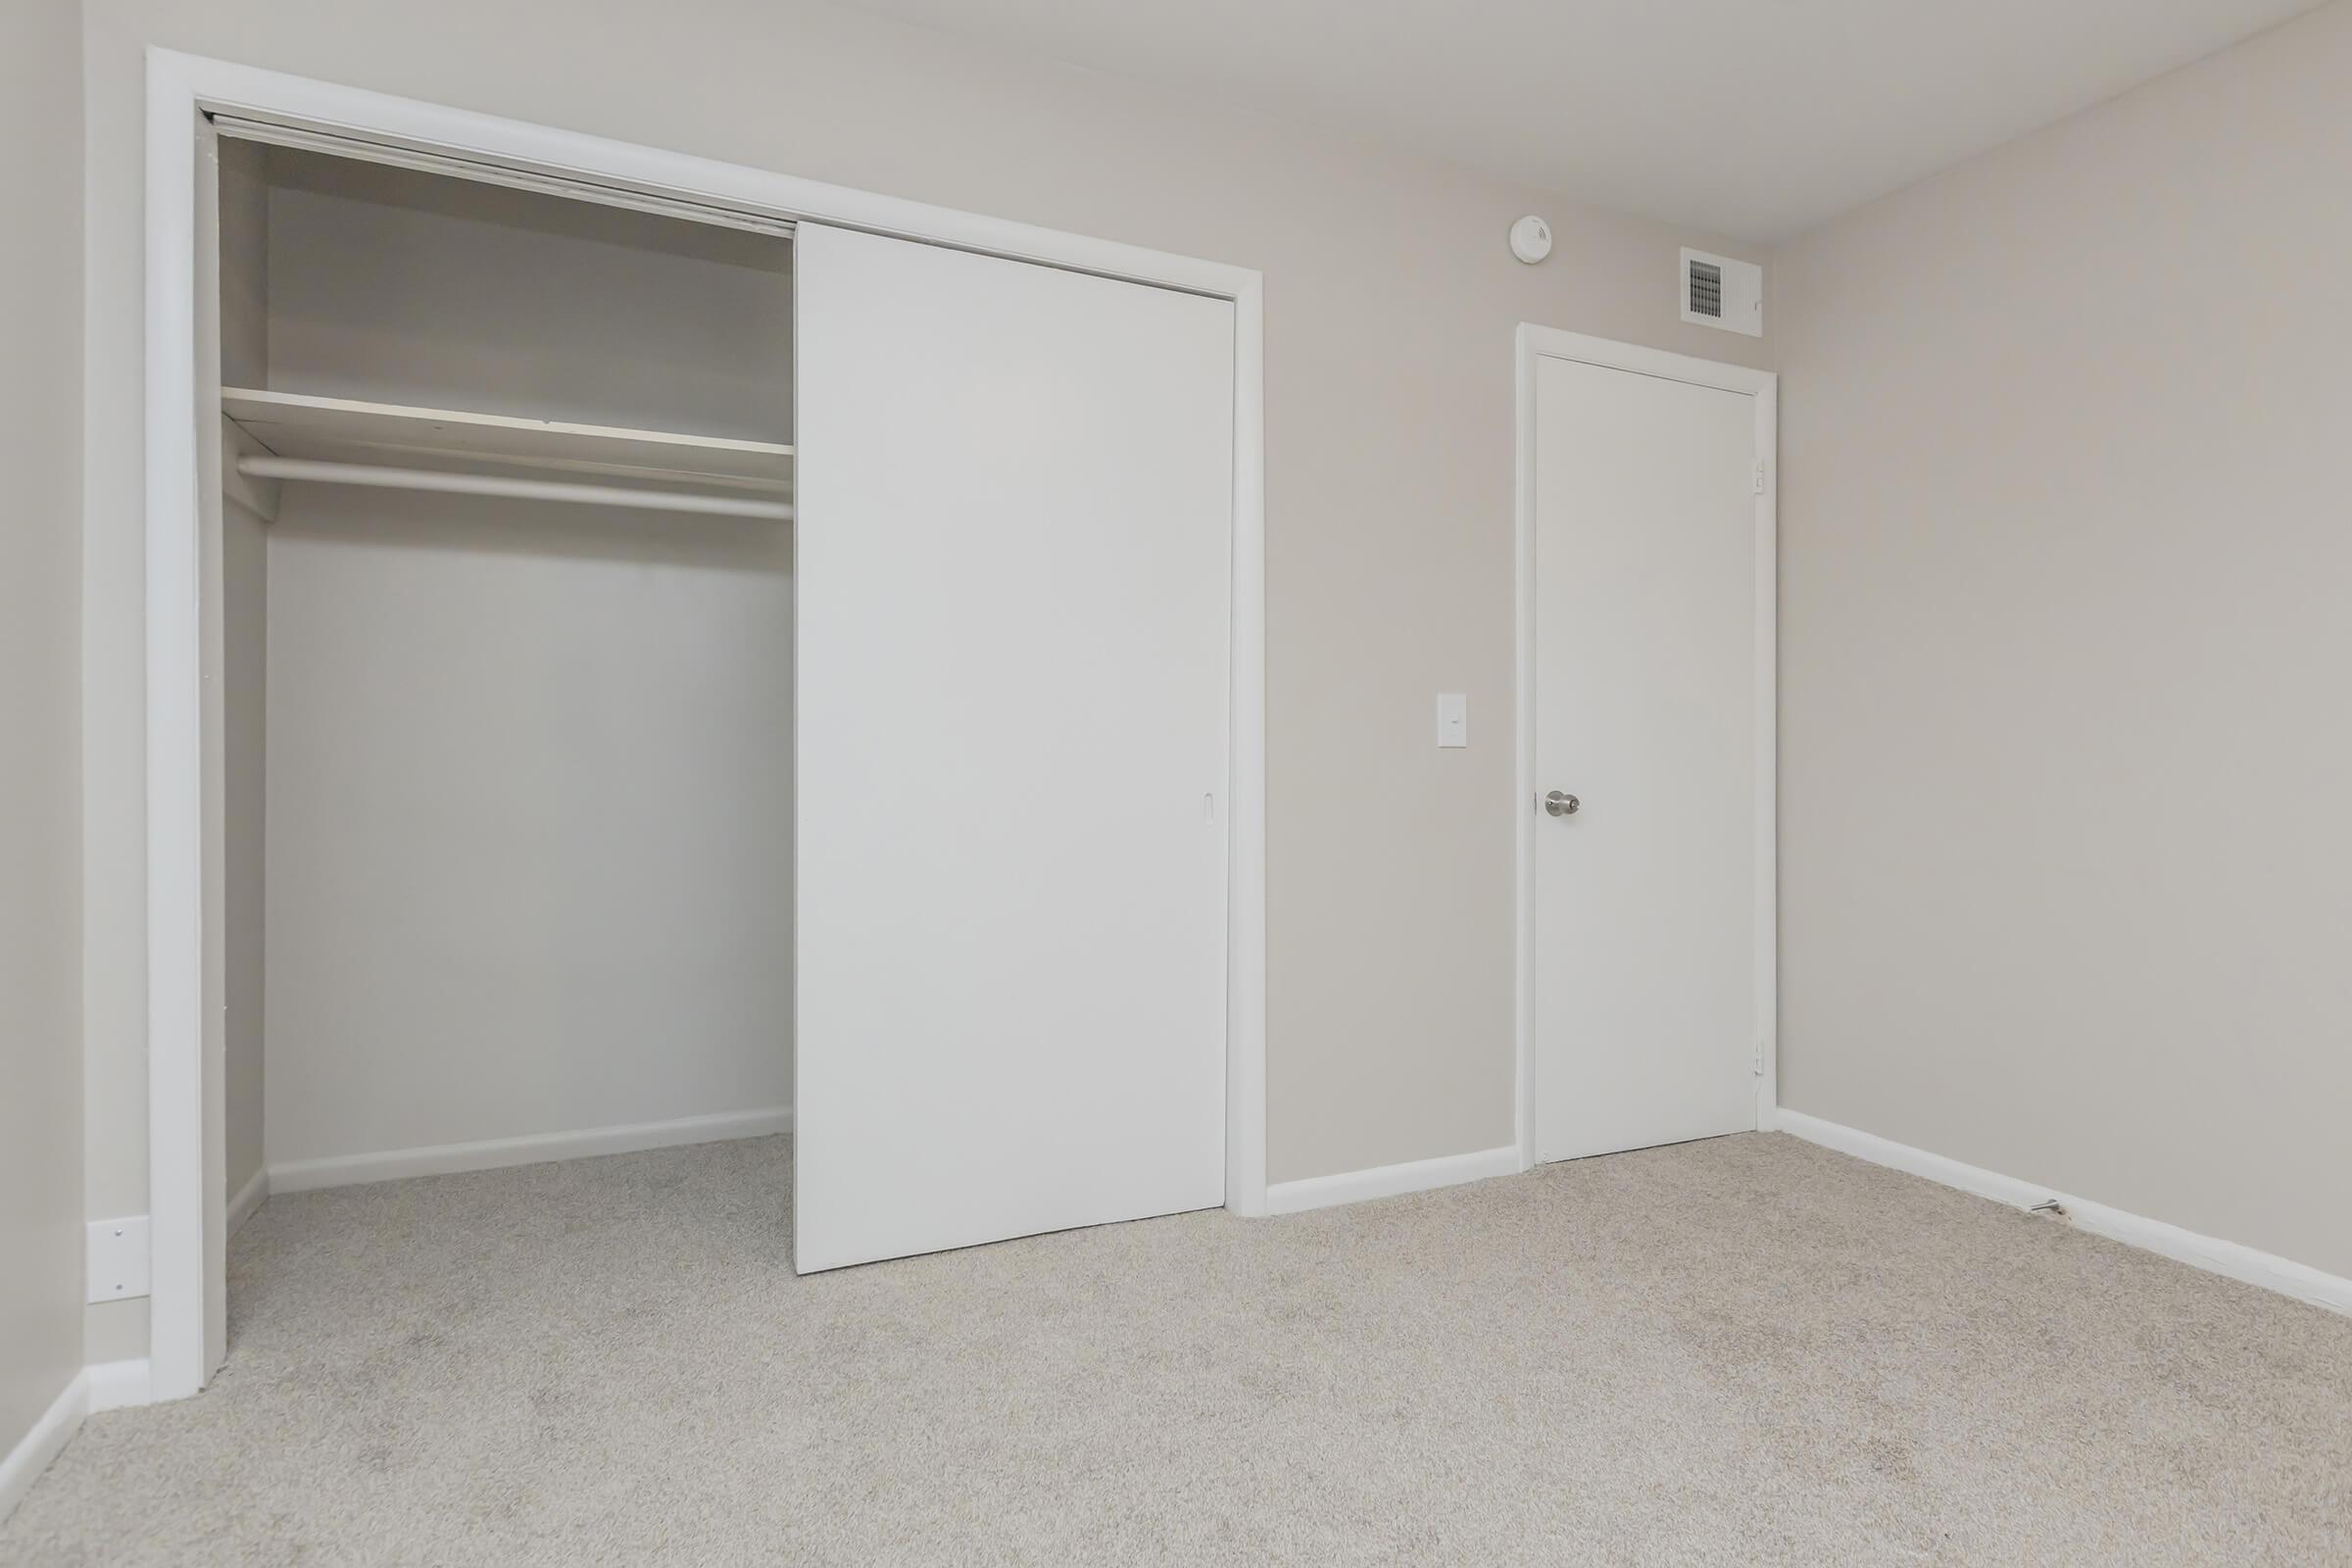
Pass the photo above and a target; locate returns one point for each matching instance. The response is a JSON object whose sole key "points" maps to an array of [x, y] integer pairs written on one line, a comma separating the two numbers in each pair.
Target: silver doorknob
{"points": [[1559, 803]]}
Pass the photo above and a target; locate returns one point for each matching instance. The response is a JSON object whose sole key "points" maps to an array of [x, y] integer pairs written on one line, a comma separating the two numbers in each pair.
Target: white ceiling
{"points": [[1755, 119]]}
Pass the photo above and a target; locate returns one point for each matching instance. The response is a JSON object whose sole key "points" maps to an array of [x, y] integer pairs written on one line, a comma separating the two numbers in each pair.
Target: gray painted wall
{"points": [[2066, 556], [40, 694]]}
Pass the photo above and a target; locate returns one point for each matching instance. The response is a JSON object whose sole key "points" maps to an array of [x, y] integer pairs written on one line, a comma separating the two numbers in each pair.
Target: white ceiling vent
{"points": [[1718, 291]]}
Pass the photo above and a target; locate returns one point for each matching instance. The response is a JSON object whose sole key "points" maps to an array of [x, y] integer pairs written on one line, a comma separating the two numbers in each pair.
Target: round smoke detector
{"points": [[1530, 239]]}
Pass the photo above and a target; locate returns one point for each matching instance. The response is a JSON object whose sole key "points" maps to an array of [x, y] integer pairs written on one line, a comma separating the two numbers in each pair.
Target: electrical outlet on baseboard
{"points": [[117, 1258]]}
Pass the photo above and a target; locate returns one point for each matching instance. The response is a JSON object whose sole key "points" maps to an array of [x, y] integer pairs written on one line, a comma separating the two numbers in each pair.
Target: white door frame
{"points": [[180, 88], [1542, 342]]}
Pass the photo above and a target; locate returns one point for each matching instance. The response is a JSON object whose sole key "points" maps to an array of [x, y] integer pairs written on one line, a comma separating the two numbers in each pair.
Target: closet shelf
{"points": [[297, 426]]}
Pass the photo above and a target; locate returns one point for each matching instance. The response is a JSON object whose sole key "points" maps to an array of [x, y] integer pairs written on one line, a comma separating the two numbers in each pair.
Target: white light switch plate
{"points": [[1453, 718], [117, 1258]]}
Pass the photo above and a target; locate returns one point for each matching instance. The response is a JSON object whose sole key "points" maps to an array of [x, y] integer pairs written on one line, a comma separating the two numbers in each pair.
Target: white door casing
{"points": [[1015, 547]]}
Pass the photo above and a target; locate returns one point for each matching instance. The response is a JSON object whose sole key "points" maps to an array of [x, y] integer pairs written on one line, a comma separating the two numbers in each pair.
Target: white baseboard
{"points": [[443, 1159], [2210, 1252], [119, 1385], [37, 1448], [1387, 1181], [249, 1198]]}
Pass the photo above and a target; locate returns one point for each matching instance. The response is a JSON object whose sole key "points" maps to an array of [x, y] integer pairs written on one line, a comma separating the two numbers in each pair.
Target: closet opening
{"points": [[934, 812], [505, 652]]}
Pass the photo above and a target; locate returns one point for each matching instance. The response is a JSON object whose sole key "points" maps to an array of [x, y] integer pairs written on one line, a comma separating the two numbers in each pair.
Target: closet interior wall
{"points": [[509, 782]]}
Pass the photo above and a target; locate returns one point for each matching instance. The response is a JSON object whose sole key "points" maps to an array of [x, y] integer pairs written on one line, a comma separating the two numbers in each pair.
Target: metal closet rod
{"points": [[484, 484]]}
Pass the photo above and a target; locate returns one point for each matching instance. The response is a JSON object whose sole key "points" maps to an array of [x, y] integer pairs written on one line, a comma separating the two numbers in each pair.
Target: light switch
{"points": [[1454, 719]]}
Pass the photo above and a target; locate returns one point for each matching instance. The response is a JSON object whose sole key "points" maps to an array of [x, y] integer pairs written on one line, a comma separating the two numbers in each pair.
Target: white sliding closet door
{"points": [[1014, 501]]}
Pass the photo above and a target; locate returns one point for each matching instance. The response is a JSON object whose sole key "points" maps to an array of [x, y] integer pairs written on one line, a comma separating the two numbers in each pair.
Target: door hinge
{"points": [[1759, 476], [1758, 1059]]}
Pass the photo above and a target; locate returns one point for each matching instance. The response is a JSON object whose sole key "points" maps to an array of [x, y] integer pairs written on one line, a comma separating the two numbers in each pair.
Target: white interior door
{"points": [[1014, 524], [1646, 669]]}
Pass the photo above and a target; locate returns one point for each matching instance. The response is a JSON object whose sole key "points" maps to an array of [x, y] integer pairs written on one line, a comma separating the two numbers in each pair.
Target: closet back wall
{"points": [[529, 765]]}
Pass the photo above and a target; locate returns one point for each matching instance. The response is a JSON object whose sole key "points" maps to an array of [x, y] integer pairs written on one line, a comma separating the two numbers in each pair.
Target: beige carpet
{"points": [[1742, 1352]]}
